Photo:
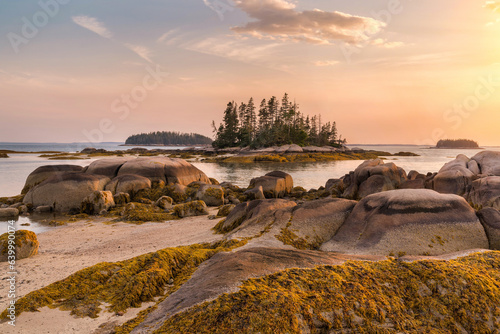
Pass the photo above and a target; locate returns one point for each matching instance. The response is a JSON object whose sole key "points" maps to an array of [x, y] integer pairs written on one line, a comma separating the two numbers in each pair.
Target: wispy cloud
{"points": [[493, 5], [92, 24], [141, 51], [279, 19], [166, 37], [380, 42], [323, 63]]}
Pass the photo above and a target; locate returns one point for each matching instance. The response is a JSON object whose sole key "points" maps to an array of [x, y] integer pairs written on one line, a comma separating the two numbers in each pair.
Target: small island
{"points": [[168, 138], [457, 144]]}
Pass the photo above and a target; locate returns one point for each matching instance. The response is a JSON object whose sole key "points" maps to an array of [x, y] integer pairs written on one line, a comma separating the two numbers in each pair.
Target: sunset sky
{"points": [[387, 71]]}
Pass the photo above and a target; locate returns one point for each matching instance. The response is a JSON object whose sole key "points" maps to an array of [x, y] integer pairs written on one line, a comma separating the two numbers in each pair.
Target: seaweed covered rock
{"points": [[65, 192], [371, 177], [485, 192], [212, 195], [25, 242], [225, 210], [490, 218], [168, 170], [454, 177], [6, 213], [489, 162], [128, 183], [165, 203], [108, 167], [414, 222], [121, 198], [97, 202], [431, 296], [44, 172], [208, 283], [190, 209]]}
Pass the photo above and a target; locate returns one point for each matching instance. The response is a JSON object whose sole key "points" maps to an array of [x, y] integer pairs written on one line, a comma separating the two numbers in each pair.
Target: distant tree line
{"points": [[168, 138], [272, 123], [457, 143]]}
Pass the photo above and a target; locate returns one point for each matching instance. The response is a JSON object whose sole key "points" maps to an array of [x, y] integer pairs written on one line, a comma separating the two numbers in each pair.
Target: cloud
{"points": [[326, 62], [93, 25], [141, 51], [278, 19], [386, 44], [493, 5]]}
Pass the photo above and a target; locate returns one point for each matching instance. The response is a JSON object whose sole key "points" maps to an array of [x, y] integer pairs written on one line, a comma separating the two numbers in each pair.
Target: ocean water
{"points": [[14, 170]]}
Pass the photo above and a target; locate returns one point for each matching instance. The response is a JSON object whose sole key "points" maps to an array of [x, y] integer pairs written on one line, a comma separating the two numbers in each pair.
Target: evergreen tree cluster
{"points": [[168, 138], [272, 123], [457, 143]]}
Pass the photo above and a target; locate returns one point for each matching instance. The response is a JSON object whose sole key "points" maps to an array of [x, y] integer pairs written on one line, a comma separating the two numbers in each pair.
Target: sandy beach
{"points": [[82, 244]]}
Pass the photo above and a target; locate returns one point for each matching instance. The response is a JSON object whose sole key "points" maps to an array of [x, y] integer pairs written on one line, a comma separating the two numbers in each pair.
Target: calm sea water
{"points": [[14, 170]]}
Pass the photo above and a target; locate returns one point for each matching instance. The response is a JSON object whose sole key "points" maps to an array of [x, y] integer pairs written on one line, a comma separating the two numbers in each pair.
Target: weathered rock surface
{"points": [[121, 198], [6, 213], [255, 193], [485, 192], [212, 195], [168, 170], [65, 192], [490, 218], [128, 183], [272, 187], [108, 167], [413, 222], [454, 177], [287, 177], [489, 162], [44, 172], [26, 245], [371, 177], [96, 202]]}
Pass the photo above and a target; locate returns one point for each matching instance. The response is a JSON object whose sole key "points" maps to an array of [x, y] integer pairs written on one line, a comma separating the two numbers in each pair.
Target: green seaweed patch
{"points": [[123, 284], [358, 297], [157, 192], [288, 237], [298, 157], [22, 237], [12, 199], [141, 213]]}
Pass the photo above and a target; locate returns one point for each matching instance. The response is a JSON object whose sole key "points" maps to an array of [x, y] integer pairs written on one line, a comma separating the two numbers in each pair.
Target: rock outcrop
{"points": [[489, 163], [274, 185], [413, 222], [454, 177], [8, 213], [65, 192], [212, 195], [371, 177]]}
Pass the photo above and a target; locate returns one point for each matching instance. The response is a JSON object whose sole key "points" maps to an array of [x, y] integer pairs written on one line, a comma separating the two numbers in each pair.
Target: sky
{"points": [[387, 71]]}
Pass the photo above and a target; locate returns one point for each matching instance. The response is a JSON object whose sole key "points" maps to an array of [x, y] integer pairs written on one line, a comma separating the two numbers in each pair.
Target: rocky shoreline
{"points": [[376, 212]]}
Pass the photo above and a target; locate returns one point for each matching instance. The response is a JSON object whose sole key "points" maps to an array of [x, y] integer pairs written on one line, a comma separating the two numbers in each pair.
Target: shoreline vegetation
{"points": [[457, 144], [283, 154]]}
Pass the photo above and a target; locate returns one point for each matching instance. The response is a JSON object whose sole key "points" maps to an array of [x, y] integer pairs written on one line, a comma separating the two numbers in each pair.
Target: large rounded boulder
{"points": [[168, 170], [485, 192], [413, 222], [44, 172], [212, 195], [65, 192], [489, 162], [454, 177]]}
